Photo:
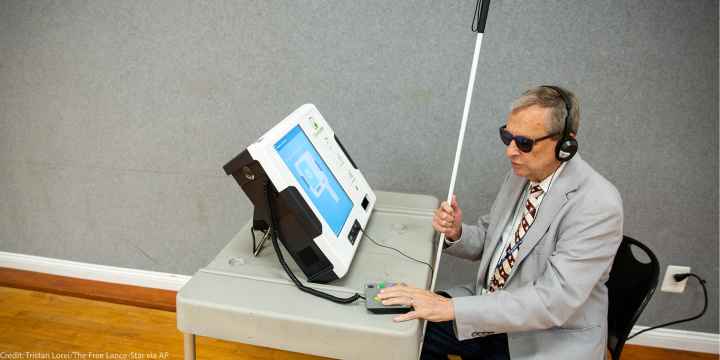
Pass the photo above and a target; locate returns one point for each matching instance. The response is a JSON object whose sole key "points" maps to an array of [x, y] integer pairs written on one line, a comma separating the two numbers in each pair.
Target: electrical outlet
{"points": [[669, 284]]}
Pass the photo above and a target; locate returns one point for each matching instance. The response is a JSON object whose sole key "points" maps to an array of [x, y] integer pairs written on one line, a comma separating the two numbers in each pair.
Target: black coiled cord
{"points": [[274, 235]]}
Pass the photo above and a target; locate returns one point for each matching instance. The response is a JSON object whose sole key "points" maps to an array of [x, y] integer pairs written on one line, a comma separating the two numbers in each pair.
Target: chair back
{"points": [[630, 285]]}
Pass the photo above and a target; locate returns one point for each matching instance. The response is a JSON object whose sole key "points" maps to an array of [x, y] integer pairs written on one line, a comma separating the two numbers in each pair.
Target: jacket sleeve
{"points": [[587, 240]]}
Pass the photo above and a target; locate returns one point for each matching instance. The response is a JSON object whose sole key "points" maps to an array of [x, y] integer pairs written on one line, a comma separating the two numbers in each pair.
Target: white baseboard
{"points": [[678, 340], [149, 279], [661, 338]]}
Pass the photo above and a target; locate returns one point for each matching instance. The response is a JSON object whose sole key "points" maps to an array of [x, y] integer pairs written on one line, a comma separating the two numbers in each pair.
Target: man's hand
{"points": [[427, 305], [448, 220]]}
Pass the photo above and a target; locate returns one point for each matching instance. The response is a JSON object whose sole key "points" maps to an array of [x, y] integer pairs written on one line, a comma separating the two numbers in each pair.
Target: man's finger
{"points": [[400, 290], [402, 300], [405, 317], [390, 293], [442, 215]]}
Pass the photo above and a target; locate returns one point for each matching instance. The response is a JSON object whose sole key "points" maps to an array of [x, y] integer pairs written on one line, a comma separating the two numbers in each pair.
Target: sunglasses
{"points": [[523, 143]]}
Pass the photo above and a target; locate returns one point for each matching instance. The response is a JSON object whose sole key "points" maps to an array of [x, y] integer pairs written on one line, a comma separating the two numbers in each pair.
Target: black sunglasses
{"points": [[523, 143]]}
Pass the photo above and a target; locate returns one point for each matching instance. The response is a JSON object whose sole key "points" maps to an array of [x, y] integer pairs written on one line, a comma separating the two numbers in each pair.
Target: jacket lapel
{"points": [[567, 182], [512, 190]]}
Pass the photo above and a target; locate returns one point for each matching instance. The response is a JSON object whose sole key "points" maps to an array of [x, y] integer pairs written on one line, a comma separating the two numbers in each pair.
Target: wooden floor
{"points": [[44, 324], [633, 352]]}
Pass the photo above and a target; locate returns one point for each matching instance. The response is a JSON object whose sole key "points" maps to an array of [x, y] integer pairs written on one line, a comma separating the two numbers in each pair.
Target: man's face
{"points": [[540, 162]]}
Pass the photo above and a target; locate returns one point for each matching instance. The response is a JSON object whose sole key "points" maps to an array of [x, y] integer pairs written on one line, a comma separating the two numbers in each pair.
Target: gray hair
{"points": [[549, 98]]}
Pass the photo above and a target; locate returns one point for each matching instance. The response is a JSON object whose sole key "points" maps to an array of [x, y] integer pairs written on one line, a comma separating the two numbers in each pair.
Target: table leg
{"points": [[189, 341]]}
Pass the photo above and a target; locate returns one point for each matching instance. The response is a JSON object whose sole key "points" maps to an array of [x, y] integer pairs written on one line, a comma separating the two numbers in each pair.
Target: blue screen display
{"points": [[315, 178]]}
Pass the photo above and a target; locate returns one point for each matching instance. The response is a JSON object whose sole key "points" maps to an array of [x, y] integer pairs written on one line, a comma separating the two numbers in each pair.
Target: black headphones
{"points": [[567, 146]]}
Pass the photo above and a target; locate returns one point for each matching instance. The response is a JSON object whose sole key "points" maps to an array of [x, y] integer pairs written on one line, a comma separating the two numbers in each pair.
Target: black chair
{"points": [[630, 286]]}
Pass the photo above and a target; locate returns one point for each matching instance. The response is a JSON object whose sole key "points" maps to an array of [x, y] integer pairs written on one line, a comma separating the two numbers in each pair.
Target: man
{"points": [[545, 250]]}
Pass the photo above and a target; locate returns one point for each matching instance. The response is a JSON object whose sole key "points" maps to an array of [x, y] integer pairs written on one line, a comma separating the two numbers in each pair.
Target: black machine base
{"points": [[298, 223]]}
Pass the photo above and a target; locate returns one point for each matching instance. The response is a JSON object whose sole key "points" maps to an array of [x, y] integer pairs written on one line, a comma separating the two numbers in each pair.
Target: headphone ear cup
{"points": [[566, 148]]}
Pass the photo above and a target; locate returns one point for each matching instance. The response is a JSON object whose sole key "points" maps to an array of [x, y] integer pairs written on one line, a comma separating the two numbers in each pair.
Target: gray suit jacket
{"points": [[554, 305]]}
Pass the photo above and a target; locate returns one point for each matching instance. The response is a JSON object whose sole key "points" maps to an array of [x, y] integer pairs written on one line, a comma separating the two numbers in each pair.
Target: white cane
{"points": [[481, 11]]}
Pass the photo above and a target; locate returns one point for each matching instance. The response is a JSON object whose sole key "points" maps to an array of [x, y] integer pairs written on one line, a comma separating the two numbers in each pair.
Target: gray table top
{"points": [[249, 299]]}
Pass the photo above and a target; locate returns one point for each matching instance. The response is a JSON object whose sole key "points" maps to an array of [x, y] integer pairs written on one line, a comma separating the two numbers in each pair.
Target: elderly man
{"points": [[545, 250]]}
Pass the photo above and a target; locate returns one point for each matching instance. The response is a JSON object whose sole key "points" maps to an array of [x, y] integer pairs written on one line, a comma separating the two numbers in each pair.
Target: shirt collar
{"points": [[545, 184]]}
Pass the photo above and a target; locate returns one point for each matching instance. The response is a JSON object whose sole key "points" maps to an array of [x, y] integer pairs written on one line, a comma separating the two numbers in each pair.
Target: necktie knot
{"points": [[536, 191]]}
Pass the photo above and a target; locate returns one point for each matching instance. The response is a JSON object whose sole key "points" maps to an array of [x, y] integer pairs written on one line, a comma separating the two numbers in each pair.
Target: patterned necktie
{"points": [[504, 267]]}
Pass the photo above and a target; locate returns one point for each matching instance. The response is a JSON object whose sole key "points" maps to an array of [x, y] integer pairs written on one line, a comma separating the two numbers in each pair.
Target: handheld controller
{"points": [[375, 305]]}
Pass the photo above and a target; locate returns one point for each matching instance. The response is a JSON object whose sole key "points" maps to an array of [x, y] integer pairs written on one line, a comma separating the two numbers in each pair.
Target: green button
{"points": [[381, 285]]}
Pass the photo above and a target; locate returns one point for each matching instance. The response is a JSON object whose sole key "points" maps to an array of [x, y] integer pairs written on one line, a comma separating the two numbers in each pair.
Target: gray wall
{"points": [[116, 116]]}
